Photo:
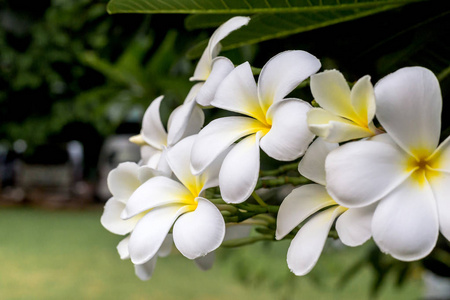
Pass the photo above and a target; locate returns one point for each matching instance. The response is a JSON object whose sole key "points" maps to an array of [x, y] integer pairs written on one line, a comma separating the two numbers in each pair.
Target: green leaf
{"points": [[263, 27], [244, 7]]}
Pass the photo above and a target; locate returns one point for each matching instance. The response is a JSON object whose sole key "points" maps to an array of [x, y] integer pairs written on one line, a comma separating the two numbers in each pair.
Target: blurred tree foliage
{"points": [[69, 61]]}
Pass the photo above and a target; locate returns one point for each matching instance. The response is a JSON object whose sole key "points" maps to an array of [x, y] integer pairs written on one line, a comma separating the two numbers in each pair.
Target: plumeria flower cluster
{"points": [[370, 156]]}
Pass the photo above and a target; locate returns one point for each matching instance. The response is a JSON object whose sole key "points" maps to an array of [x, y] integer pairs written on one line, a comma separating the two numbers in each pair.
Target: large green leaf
{"points": [[244, 7], [263, 27]]}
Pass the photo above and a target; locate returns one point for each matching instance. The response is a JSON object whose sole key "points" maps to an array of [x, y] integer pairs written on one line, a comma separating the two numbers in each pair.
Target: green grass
{"points": [[69, 255]]}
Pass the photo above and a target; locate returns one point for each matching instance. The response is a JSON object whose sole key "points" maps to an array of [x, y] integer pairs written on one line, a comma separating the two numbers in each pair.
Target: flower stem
{"points": [[281, 170], [258, 199], [282, 180]]}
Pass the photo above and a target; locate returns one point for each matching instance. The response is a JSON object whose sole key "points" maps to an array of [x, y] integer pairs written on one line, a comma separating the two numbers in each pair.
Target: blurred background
{"points": [[74, 84]]}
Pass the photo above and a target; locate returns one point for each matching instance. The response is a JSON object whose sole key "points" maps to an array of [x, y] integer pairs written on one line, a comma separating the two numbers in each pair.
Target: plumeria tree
{"points": [[361, 160]]}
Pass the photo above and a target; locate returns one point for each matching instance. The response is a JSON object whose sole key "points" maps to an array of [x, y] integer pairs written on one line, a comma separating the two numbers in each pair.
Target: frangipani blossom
{"points": [[211, 69], [275, 124], [198, 226], [404, 171], [353, 225], [345, 115], [122, 182], [184, 121]]}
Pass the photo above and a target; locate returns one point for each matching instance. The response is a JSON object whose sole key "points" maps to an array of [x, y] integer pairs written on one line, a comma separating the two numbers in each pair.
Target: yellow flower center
{"points": [[421, 170]]}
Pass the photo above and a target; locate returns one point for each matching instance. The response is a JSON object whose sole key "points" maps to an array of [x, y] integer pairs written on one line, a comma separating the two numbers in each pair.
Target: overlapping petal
{"points": [[363, 100], [205, 262], [186, 120], [150, 156], [145, 270], [307, 245], [238, 93], [179, 161], [289, 135], [199, 232], [153, 131], [111, 220], [334, 129], [299, 205], [155, 192], [331, 91], [354, 226], [282, 73], [203, 69], [122, 248], [441, 189], [312, 165], [123, 181], [360, 173], [440, 159], [405, 223], [218, 136], [409, 105], [221, 67], [151, 230], [240, 169]]}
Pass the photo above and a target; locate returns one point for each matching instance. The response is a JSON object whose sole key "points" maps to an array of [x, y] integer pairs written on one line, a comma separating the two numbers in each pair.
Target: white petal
{"points": [[284, 72], [145, 173], [335, 129], [155, 192], [199, 232], [150, 156], [145, 270], [122, 248], [193, 92], [123, 181], [440, 160], [150, 232], [331, 91], [360, 173], [210, 177], [312, 165], [218, 136], [355, 225], [166, 247], [238, 93], [204, 65], [363, 100], [184, 121], [289, 136], [178, 158], [240, 170], [405, 223], [409, 105], [153, 130], [307, 245], [205, 262], [299, 205], [111, 218], [221, 67], [440, 184], [163, 166]]}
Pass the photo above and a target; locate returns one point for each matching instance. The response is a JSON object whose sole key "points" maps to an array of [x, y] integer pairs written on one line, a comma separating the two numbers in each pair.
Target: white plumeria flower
{"points": [[185, 120], [353, 225], [122, 182], [275, 124], [404, 170], [145, 271], [211, 69], [345, 115], [198, 226]]}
